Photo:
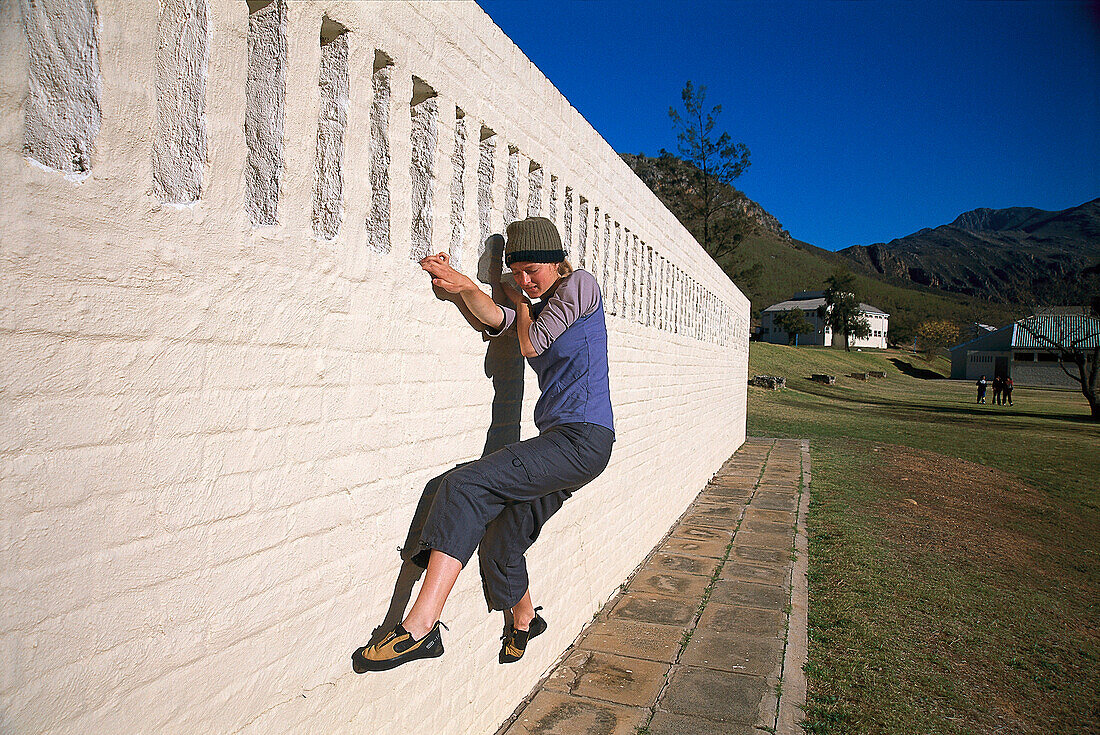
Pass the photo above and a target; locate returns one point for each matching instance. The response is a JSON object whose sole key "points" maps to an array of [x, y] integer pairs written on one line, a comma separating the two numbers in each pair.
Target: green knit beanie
{"points": [[533, 240]]}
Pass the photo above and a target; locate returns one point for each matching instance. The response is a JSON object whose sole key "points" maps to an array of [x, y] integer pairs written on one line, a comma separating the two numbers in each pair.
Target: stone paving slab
{"points": [[764, 573], [749, 594], [775, 501], [701, 533], [664, 562], [635, 639], [719, 695], [678, 584], [666, 723], [609, 677], [781, 516], [715, 548], [743, 654], [754, 525], [758, 554], [766, 540], [553, 713], [702, 634], [738, 620], [647, 607]]}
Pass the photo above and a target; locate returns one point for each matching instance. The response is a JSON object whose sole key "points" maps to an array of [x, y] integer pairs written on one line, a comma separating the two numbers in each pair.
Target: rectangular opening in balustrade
{"points": [[596, 256], [553, 209], [666, 289], [670, 297], [649, 289], [378, 222], [534, 189], [630, 303], [679, 308], [624, 275], [332, 123], [674, 299], [511, 190], [693, 311], [486, 155], [625, 282], [265, 92], [458, 188], [424, 108], [62, 113], [689, 306], [582, 233], [696, 310], [179, 146], [606, 267], [614, 272], [636, 280], [567, 226]]}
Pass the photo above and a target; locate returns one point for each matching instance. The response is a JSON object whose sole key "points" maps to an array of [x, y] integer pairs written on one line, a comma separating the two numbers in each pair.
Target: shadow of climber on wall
{"points": [[497, 505], [504, 366]]}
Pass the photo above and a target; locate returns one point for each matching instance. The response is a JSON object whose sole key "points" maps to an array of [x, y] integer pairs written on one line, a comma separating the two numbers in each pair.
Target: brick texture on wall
{"points": [[217, 418]]}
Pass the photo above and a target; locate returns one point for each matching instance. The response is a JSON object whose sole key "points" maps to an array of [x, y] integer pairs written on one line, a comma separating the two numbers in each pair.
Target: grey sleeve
{"points": [[577, 296], [509, 320]]}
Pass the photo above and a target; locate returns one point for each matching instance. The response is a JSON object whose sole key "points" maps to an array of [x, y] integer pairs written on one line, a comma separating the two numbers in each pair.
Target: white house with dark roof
{"points": [[808, 302]]}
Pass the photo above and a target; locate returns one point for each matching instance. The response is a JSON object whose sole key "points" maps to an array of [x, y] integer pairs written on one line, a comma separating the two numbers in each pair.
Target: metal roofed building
{"points": [[1024, 351], [808, 302]]}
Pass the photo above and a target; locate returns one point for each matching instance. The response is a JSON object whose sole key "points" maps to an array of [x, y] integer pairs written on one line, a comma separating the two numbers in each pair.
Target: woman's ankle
{"points": [[416, 628], [522, 620]]}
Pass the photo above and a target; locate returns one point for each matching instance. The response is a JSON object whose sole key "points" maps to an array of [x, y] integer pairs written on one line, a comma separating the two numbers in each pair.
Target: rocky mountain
{"points": [[1018, 255], [670, 179]]}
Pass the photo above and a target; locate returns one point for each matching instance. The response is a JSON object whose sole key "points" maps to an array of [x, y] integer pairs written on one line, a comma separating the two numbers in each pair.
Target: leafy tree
{"points": [[794, 323], [936, 335], [716, 163], [1076, 341], [841, 311]]}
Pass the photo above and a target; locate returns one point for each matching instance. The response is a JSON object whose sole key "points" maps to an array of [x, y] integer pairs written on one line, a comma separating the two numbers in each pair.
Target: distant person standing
{"points": [[998, 385], [981, 389], [1006, 391]]}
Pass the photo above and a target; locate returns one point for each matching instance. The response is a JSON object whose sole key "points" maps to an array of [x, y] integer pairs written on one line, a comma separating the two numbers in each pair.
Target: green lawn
{"points": [[953, 547]]}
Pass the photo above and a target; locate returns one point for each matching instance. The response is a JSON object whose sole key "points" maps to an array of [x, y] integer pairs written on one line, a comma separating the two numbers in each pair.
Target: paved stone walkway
{"points": [[707, 637]]}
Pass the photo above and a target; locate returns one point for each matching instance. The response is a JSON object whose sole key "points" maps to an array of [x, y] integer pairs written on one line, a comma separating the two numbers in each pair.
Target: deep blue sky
{"points": [[866, 120]]}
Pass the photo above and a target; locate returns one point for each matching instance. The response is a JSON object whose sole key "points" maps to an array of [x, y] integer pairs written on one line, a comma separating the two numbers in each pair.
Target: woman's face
{"points": [[535, 279]]}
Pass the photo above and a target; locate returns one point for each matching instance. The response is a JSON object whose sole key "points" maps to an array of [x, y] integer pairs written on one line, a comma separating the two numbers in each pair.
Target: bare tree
{"points": [[1075, 339]]}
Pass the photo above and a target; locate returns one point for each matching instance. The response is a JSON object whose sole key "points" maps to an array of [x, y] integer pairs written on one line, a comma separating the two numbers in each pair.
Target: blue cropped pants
{"points": [[499, 504]]}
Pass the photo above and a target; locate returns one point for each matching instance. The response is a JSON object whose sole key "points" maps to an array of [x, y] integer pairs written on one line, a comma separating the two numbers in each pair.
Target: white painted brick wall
{"points": [[213, 437]]}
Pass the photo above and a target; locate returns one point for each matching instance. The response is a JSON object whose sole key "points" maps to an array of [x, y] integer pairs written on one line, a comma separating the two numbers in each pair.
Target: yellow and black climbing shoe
{"points": [[515, 641], [397, 648]]}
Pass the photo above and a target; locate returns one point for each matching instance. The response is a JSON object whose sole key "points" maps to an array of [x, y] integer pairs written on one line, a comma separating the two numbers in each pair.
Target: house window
{"points": [[1024, 357], [1048, 357]]}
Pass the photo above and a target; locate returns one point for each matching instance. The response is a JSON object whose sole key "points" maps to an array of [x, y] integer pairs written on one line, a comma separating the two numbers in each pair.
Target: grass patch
{"points": [[953, 548]]}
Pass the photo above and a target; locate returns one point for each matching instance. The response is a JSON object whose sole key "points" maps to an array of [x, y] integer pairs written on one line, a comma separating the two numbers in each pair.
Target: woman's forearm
{"points": [[482, 306]]}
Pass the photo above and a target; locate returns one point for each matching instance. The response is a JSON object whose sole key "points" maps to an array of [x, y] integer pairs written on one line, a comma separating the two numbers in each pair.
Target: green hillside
{"points": [[769, 266], [789, 267]]}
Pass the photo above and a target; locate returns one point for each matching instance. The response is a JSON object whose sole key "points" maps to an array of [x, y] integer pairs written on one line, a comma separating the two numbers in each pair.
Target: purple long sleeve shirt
{"points": [[569, 335]]}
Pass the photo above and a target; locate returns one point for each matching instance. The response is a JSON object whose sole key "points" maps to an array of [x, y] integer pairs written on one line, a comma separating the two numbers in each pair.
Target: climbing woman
{"points": [[499, 503]]}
